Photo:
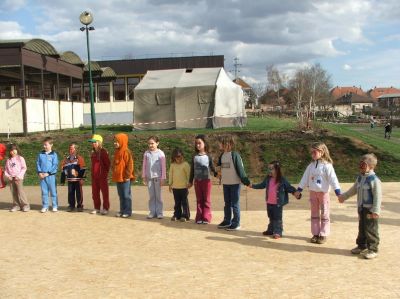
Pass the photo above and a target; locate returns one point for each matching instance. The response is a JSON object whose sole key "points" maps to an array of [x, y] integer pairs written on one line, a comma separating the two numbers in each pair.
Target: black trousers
{"points": [[181, 207], [368, 230], [75, 194]]}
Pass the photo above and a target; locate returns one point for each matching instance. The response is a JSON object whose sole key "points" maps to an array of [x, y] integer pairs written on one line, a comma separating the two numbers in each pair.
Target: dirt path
{"points": [[78, 255]]}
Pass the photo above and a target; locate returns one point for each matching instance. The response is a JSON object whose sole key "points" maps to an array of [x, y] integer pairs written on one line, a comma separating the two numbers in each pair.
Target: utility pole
{"points": [[236, 65]]}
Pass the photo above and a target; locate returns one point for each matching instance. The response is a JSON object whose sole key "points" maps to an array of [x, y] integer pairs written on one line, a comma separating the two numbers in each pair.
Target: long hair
{"points": [[227, 140], [324, 149], [177, 152], [202, 137], [11, 147], [277, 166]]}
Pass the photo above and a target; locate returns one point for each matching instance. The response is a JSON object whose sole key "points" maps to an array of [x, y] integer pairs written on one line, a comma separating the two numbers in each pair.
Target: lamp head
{"points": [[86, 18]]}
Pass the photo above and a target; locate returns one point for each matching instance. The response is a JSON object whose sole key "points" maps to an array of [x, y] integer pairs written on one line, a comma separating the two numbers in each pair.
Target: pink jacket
{"points": [[15, 167]]}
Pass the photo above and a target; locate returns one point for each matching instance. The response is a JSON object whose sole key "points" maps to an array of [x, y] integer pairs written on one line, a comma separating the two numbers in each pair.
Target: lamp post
{"points": [[86, 18]]}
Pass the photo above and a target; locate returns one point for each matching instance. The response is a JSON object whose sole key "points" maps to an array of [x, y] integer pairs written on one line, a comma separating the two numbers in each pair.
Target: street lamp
{"points": [[86, 18]]}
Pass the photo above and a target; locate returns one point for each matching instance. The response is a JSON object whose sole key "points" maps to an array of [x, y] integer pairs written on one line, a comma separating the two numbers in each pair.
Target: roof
{"points": [[36, 45], [340, 91], [389, 95], [94, 66], [376, 92], [242, 83], [71, 57], [354, 98], [108, 73]]}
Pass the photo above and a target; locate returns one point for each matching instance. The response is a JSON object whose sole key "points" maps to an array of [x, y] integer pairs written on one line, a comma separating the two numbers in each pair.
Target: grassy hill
{"points": [[263, 140]]}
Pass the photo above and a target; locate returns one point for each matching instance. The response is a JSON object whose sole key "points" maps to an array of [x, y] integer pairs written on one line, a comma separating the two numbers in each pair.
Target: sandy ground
{"points": [[79, 255]]}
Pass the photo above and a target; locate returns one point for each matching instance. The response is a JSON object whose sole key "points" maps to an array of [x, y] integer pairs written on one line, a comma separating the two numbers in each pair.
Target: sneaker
{"points": [[206, 222], [276, 236], [70, 209], [358, 250], [160, 217], [26, 208], [104, 212], [314, 239], [44, 210], [15, 209], [233, 227], [173, 218], [125, 215], [80, 209], [183, 219], [321, 240], [94, 212], [370, 254], [224, 224], [150, 216], [55, 209], [199, 222], [267, 233], [118, 215]]}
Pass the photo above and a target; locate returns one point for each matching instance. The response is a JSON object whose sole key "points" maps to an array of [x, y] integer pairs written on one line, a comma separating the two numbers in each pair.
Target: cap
{"points": [[95, 138]]}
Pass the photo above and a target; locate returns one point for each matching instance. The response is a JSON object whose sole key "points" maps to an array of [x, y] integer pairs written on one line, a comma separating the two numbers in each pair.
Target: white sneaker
{"points": [[370, 255], [55, 209], [44, 210], [104, 212], [94, 212], [150, 216], [15, 208], [125, 216], [118, 215], [199, 222], [160, 217]]}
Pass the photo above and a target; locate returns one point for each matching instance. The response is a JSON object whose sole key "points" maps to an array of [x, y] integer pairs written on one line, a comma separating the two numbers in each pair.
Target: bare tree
{"points": [[274, 80]]}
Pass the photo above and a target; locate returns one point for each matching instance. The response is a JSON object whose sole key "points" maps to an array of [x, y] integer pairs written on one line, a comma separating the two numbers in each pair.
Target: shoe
{"points": [[80, 209], [276, 236], [267, 233], [206, 222], [44, 210], [118, 215], [26, 208], [125, 215], [358, 250], [173, 218], [370, 255], [233, 227], [321, 240], [150, 216], [314, 239], [104, 212], [183, 219], [70, 209], [224, 224], [94, 212], [15, 209], [199, 222], [160, 217], [55, 209]]}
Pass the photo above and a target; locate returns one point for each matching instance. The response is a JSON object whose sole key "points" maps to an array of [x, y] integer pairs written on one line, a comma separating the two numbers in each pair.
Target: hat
{"points": [[95, 138]]}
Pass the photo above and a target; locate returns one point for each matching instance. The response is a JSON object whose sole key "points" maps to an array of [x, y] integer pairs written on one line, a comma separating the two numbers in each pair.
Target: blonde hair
{"points": [[227, 140], [370, 159], [324, 149]]}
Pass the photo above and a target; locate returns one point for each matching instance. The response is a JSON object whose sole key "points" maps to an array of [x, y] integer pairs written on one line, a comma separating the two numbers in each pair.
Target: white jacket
{"points": [[319, 176]]}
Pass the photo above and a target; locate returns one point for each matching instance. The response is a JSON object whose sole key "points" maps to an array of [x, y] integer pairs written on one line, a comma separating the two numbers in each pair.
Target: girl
{"points": [[179, 173], [14, 172], [202, 165], [276, 196], [154, 174], [318, 177], [3, 150], [123, 174], [232, 174], [100, 168]]}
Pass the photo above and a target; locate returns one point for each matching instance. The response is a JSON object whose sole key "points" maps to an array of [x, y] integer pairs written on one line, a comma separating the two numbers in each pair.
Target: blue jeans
{"points": [[125, 197], [232, 204], [48, 185], [275, 225]]}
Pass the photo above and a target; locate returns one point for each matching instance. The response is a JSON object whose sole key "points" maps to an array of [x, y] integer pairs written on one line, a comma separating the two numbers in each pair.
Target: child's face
{"points": [[95, 145], [116, 144], [271, 170], [153, 145], [200, 145], [226, 147], [179, 159], [364, 167], [316, 154], [72, 150], [47, 146], [13, 153]]}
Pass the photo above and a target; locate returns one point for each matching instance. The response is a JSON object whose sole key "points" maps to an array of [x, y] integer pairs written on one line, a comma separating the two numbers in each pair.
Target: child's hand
{"points": [[145, 182], [297, 194], [170, 188], [189, 185], [341, 198], [162, 182], [250, 186], [374, 216]]}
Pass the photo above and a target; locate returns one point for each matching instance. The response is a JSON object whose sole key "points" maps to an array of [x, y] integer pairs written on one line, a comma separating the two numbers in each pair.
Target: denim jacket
{"points": [[282, 191]]}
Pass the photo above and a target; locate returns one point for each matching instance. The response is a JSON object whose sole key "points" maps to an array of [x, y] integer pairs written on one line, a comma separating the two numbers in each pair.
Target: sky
{"points": [[356, 41]]}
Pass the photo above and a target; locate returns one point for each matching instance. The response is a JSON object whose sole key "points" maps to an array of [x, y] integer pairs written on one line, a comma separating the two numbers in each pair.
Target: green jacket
{"points": [[238, 164]]}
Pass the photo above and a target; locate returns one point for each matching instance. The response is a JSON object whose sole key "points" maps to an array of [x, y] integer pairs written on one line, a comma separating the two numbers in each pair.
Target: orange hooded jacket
{"points": [[122, 169]]}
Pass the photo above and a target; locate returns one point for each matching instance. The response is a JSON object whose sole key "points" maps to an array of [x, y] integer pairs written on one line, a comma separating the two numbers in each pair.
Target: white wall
{"points": [[34, 112], [107, 107], [11, 116]]}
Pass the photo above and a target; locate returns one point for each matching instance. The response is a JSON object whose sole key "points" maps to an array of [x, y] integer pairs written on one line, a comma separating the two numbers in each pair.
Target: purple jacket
{"points": [[15, 167]]}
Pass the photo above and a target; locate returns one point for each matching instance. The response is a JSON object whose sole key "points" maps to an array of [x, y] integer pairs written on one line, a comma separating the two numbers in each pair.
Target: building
{"points": [[350, 104], [339, 91]]}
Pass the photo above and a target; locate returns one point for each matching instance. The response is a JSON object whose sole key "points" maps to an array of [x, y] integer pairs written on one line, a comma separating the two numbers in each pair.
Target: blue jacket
{"points": [[282, 191], [47, 163]]}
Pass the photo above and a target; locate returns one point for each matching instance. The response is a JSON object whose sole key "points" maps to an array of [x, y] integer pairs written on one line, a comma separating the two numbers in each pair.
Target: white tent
{"points": [[188, 98]]}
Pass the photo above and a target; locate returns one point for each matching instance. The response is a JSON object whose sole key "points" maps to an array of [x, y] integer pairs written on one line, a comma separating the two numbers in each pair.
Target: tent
{"points": [[188, 98]]}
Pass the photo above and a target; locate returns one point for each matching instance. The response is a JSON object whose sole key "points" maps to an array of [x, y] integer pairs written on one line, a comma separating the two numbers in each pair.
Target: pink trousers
{"points": [[320, 221], [203, 198]]}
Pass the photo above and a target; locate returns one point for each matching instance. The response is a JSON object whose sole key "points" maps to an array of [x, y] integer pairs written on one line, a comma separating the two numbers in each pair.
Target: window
{"points": [[119, 89], [63, 93], [103, 91], [76, 92], [5, 92], [132, 82], [34, 91]]}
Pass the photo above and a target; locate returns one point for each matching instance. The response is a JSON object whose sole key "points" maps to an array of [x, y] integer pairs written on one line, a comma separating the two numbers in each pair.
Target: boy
{"points": [[369, 197], [46, 168], [73, 170]]}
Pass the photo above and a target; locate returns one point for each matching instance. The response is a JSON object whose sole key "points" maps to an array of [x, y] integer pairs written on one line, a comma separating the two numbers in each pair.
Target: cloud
{"points": [[12, 30], [347, 67]]}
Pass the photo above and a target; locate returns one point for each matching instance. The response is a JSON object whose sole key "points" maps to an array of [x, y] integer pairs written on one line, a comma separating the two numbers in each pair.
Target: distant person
{"points": [[122, 174], [202, 167], [46, 168], [369, 197], [178, 181], [319, 177], [15, 170], [388, 130], [154, 176], [232, 174], [100, 168], [276, 196], [3, 150], [372, 122], [73, 171]]}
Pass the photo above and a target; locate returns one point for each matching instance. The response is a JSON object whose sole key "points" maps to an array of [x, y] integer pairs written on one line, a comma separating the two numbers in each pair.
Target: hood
{"points": [[122, 140]]}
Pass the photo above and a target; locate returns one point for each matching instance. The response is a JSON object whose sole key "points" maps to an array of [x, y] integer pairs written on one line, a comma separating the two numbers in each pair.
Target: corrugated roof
{"points": [[389, 95], [71, 57], [108, 73], [95, 67], [36, 45]]}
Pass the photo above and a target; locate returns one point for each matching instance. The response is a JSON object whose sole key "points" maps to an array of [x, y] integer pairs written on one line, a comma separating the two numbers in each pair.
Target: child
{"points": [[14, 172], [46, 168], [202, 165], [73, 170], [3, 150], [154, 175], [179, 173], [232, 174], [123, 174], [100, 168], [318, 177], [369, 197], [276, 195]]}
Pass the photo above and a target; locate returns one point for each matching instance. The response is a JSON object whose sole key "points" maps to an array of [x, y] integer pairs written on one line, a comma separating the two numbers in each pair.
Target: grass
{"points": [[261, 141]]}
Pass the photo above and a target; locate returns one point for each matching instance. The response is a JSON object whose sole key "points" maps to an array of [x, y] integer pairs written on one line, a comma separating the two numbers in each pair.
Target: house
{"points": [[275, 100], [339, 91], [248, 92], [350, 104], [376, 92]]}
